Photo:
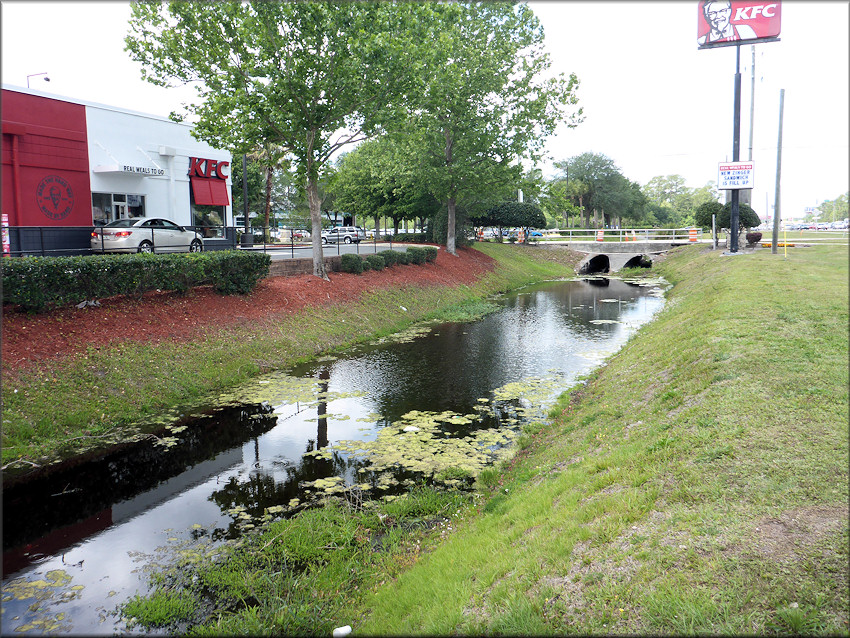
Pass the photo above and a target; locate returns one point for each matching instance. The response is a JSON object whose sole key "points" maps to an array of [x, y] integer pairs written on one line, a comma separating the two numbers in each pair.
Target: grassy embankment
{"points": [[102, 396], [697, 483]]}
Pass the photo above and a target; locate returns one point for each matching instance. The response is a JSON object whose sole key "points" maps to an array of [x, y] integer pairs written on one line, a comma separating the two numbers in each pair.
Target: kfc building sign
{"points": [[725, 22], [209, 181]]}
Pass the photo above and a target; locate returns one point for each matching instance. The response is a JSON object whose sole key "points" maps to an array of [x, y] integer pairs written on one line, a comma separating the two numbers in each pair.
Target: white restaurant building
{"points": [[69, 165]]}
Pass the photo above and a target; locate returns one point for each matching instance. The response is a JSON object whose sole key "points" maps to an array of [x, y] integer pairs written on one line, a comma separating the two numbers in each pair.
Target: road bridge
{"points": [[611, 256]]}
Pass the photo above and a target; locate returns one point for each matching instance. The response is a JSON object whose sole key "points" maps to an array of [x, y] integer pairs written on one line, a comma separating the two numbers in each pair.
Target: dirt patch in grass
{"points": [[781, 539]]}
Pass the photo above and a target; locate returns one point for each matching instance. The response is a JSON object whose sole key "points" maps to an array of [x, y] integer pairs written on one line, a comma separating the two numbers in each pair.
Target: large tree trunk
{"points": [[452, 200], [450, 228], [316, 236]]}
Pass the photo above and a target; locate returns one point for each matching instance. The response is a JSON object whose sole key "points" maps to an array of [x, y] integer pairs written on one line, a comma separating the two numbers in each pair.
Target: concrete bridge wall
{"points": [[614, 256]]}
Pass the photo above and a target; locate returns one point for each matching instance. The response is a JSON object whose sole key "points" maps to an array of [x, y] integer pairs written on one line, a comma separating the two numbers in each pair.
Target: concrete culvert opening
{"points": [[597, 264], [639, 261]]}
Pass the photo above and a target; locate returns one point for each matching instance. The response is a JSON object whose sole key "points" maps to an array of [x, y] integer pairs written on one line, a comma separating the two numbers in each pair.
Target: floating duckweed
{"points": [[275, 509], [322, 453], [294, 502], [425, 449], [405, 336], [167, 441]]}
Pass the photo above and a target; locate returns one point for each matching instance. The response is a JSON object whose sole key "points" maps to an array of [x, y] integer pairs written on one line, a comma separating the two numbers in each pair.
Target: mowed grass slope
{"points": [[698, 483]]}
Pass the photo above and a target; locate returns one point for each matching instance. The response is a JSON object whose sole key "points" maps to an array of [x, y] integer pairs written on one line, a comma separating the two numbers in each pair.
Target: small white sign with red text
{"points": [[734, 175]]}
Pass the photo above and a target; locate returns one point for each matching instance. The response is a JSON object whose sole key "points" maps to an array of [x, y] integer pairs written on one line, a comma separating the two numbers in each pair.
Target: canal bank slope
{"points": [[75, 380], [697, 483]]}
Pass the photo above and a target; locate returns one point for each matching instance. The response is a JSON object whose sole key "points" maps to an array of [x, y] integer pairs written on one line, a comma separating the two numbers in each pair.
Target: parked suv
{"points": [[347, 234]]}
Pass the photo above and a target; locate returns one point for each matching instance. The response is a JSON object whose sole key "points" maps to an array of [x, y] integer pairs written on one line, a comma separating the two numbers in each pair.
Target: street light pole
{"points": [[33, 75]]}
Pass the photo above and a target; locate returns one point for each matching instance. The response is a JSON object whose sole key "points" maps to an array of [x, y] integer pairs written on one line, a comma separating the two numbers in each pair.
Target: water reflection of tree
{"points": [[263, 489]]}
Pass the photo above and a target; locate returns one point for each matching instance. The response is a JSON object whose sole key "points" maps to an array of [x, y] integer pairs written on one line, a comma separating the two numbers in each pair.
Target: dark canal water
{"points": [[435, 404]]}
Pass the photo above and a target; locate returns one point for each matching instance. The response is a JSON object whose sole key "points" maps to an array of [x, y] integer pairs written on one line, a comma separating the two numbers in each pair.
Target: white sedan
{"points": [[143, 235]]}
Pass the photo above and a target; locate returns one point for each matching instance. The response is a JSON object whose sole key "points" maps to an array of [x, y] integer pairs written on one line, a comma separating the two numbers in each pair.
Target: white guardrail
{"points": [[613, 234]]}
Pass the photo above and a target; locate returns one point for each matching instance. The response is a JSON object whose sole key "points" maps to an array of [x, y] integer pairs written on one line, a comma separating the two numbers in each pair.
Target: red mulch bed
{"points": [[29, 339]]}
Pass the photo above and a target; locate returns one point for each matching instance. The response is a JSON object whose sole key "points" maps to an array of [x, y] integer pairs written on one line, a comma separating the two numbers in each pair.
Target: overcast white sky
{"points": [[653, 103]]}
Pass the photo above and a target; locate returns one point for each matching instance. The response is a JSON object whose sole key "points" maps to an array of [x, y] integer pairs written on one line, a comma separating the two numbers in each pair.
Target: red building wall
{"points": [[45, 178]]}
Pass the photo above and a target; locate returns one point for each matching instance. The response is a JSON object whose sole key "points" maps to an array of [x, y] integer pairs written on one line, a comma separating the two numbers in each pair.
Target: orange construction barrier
{"points": [[634, 237], [692, 234], [599, 235]]}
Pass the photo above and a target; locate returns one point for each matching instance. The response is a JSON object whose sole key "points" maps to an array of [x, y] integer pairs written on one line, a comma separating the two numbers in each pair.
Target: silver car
{"points": [[347, 234], [143, 235]]}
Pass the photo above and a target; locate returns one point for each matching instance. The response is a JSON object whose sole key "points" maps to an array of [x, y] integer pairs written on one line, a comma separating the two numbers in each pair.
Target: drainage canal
{"points": [[80, 537]]}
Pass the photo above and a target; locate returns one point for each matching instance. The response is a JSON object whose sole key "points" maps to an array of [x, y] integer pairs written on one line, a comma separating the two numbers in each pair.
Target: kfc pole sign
{"points": [[207, 168], [726, 23]]}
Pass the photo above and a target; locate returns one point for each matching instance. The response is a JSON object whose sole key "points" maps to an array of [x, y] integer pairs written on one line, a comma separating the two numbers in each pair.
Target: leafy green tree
{"points": [[747, 217], [309, 77], [603, 188], [523, 215], [373, 181], [834, 210], [704, 212], [485, 103], [671, 203]]}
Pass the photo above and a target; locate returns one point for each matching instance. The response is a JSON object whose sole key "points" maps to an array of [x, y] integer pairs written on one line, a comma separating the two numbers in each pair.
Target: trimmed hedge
{"points": [[406, 237], [390, 257], [376, 261], [42, 283], [416, 255], [356, 264], [351, 262]]}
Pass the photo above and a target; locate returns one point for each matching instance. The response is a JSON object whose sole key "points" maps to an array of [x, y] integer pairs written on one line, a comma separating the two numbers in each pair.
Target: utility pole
{"points": [[776, 215]]}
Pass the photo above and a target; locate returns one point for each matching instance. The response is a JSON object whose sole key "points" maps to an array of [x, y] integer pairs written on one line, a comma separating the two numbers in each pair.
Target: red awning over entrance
{"points": [[210, 192]]}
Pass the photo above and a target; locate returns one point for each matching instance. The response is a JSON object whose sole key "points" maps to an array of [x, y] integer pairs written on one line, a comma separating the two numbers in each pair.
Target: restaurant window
{"points": [[107, 207], [208, 220]]}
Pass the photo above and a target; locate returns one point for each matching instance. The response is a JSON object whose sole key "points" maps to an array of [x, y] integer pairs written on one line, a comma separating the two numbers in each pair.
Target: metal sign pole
{"points": [[776, 213], [736, 152]]}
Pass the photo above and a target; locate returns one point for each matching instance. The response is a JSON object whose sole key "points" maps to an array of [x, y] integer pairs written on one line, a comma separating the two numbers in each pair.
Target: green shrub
{"points": [[237, 272], [38, 284], [376, 262], [408, 237], [403, 258], [350, 262], [366, 264], [416, 255], [390, 257], [431, 253]]}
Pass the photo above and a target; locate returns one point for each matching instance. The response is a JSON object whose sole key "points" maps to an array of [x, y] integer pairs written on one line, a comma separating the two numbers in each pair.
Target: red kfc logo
{"points": [[724, 22], [206, 168]]}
